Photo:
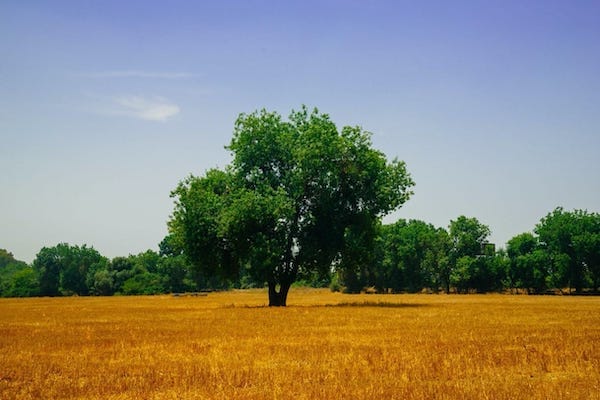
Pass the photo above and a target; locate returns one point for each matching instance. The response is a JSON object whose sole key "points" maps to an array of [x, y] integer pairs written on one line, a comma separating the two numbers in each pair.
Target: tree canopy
{"points": [[17, 279], [295, 194], [571, 240], [65, 269]]}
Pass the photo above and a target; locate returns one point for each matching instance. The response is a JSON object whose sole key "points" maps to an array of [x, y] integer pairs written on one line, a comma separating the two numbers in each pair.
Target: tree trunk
{"points": [[278, 298]]}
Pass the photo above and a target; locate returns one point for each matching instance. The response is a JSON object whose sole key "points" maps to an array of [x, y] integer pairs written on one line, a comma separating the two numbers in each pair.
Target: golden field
{"points": [[323, 346]]}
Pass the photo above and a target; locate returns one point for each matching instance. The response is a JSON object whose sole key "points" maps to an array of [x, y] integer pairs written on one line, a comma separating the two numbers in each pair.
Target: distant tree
{"points": [[529, 263], [176, 273], [17, 279], [502, 269], [149, 272], [587, 247], [462, 274], [294, 194], [48, 265], [522, 244], [79, 261], [6, 258], [23, 283], [121, 269], [412, 256], [102, 283], [468, 239], [569, 239], [96, 278], [145, 283], [148, 260], [437, 261], [63, 269]]}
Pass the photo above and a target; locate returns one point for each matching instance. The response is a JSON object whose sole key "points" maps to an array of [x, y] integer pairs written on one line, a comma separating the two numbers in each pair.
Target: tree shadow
{"points": [[365, 304], [376, 304]]}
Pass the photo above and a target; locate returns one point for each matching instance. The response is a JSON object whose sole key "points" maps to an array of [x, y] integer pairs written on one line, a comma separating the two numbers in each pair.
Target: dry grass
{"points": [[324, 346]]}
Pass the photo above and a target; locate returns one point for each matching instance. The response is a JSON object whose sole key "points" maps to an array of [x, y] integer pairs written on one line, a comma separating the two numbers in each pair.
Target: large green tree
{"points": [[295, 193]]}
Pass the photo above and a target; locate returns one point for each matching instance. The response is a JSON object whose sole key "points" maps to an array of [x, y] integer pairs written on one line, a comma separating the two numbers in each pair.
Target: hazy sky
{"points": [[106, 105]]}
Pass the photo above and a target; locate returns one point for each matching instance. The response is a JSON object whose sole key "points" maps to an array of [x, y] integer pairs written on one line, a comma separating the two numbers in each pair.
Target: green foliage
{"points": [[170, 246], [121, 269], [467, 268], [96, 284], [17, 279], [462, 273], [406, 256], [468, 237], [587, 247], [410, 256], [145, 283], [335, 285], [314, 279], [148, 273], [529, 263], [47, 265], [148, 260], [103, 283], [296, 194], [175, 271], [482, 274], [63, 269], [6, 258], [570, 240], [24, 283], [355, 270], [500, 269]]}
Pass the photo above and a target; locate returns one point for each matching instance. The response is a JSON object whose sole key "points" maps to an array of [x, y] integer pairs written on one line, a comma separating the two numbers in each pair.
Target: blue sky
{"points": [[105, 106]]}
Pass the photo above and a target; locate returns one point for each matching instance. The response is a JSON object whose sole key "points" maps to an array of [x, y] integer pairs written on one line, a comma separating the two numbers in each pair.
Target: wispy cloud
{"points": [[147, 108], [139, 74]]}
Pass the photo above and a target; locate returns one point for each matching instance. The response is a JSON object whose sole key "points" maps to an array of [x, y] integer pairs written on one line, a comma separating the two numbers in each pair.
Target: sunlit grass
{"points": [[324, 345]]}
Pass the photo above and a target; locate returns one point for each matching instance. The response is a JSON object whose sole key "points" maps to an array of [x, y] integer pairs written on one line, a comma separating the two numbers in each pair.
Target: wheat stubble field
{"points": [[323, 346]]}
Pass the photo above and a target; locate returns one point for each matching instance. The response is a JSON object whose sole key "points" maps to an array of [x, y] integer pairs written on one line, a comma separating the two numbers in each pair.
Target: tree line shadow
{"points": [[378, 304], [360, 304]]}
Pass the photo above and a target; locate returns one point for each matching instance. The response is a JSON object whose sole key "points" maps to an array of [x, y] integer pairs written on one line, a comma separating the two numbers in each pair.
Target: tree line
{"points": [[302, 202], [561, 254], [67, 270]]}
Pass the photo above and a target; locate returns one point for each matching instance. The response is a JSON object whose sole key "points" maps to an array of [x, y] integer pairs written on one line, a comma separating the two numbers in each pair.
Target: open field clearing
{"points": [[324, 345]]}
